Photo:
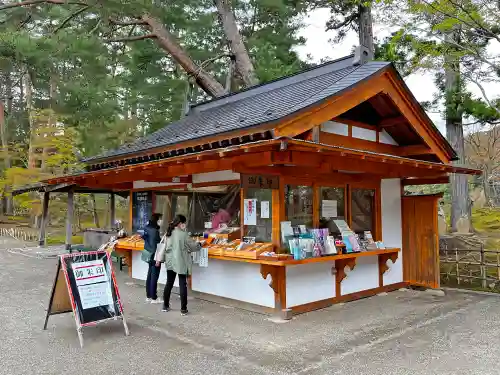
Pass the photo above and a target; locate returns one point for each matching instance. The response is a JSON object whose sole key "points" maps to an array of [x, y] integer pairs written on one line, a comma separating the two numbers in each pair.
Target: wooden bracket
{"points": [[340, 266], [340, 272], [382, 261], [382, 265], [277, 284], [265, 270]]}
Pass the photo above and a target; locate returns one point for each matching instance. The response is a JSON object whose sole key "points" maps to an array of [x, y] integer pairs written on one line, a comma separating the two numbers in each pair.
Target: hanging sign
{"points": [[250, 181], [329, 208], [250, 212], [264, 210], [85, 284], [142, 209]]}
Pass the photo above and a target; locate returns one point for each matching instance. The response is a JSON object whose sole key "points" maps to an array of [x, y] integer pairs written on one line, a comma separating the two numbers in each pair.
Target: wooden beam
{"points": [[426, 181], [331, 108], [69, 220], [358, 124], [413, 114], [392, 121], [415, 150], [112, 208], [45, 218]]}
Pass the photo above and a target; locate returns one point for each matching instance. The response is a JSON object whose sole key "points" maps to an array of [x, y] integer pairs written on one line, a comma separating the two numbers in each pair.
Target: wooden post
{"points": [[112, 208], [69, 220], [45, 219], [483, 268]]}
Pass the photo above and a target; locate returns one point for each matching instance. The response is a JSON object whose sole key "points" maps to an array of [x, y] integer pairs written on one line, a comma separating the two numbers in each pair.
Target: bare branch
{"points": [[208, 61], [126, 23], [131, 38], [335, 26], [94, 29], [70, 17], [36, 2]]}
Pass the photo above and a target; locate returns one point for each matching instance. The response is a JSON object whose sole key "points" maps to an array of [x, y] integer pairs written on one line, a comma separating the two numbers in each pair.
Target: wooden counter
{"points": [[292, 262]]}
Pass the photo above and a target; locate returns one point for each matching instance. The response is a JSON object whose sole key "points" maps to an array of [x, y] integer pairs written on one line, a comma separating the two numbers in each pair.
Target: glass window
{"points": [[332, 207], [263, 230], [362, 210], [218, 209], [299, 205]]}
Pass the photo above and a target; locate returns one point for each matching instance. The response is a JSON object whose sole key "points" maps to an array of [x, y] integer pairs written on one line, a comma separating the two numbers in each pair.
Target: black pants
{"points": [[152, 280], [182, 288]]}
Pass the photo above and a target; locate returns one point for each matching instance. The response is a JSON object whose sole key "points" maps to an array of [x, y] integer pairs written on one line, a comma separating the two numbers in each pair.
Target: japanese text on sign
{"points": [[259, 182], [89, 272]]}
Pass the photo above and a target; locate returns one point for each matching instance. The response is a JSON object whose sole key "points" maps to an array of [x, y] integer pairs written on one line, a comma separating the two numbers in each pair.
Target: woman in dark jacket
{"points": [[151, 240]]}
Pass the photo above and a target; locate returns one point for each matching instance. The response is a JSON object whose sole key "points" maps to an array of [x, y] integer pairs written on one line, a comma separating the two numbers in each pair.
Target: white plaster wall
{"points": [[236, 280], [384, 137], [333, 127], [215, 176], [392, 226], [140, 271], [307, 283], [364, 276], [362, 133], [141, 184]]}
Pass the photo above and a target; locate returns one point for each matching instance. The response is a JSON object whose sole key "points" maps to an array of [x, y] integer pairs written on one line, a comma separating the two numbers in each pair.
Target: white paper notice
{"points": [[250, 212], [89, 272], [203, 259], [95, 295], [264, 210], [329, 209]]}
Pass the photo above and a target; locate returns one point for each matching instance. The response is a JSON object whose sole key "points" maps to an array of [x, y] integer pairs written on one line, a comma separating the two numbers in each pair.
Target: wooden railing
{"points": [[20, 234], [470, 268]]}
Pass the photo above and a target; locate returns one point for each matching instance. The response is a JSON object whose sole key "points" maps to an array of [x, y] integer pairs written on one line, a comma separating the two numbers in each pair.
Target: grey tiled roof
{"points": [[258, 105]]}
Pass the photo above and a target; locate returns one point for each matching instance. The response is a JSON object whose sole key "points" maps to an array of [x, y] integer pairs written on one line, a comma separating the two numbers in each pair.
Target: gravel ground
{"points": [[404, 332]]}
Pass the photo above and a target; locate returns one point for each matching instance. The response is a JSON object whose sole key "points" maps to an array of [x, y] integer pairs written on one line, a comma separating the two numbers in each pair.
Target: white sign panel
{"points": [[95, 295], [329, 208], [264, 210], [203, 259], [89, 272], [250, 212]]}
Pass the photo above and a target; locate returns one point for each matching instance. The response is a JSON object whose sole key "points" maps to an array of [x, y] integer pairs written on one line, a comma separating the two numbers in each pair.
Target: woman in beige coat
{"points": [[178, 262]]}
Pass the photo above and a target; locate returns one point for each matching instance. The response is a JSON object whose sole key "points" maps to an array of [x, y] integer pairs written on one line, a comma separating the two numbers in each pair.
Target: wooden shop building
{"points": [[331, 147]]}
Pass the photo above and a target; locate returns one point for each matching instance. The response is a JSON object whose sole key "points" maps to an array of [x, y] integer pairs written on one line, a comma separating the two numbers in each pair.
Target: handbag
{"points": [[160, 249]]}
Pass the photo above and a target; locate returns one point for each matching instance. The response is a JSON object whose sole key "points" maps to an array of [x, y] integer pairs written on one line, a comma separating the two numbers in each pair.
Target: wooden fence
{"points": [[476, 268], [20, 234]]}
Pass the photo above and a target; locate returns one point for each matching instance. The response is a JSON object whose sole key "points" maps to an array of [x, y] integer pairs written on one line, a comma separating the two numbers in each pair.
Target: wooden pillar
{"points": [[278, 213], [69, 220], [45, 218], [112, 212]]}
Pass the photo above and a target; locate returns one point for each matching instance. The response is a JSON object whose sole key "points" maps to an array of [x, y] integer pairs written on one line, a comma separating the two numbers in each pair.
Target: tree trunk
{"points": [[486, 186], [95, 216], [243, 63], [168, 42], [51, 119], [6, 199], [460, 199], [365, 26], [29, 109]]}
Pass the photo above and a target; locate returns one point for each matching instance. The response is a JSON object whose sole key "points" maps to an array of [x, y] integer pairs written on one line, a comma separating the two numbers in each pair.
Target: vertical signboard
{"points": [[142, 209]]}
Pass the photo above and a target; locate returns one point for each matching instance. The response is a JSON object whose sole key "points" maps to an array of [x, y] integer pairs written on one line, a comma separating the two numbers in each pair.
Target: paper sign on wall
{"points": [[203, 258], [250, 212], [329, 208], [264, 210]]}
